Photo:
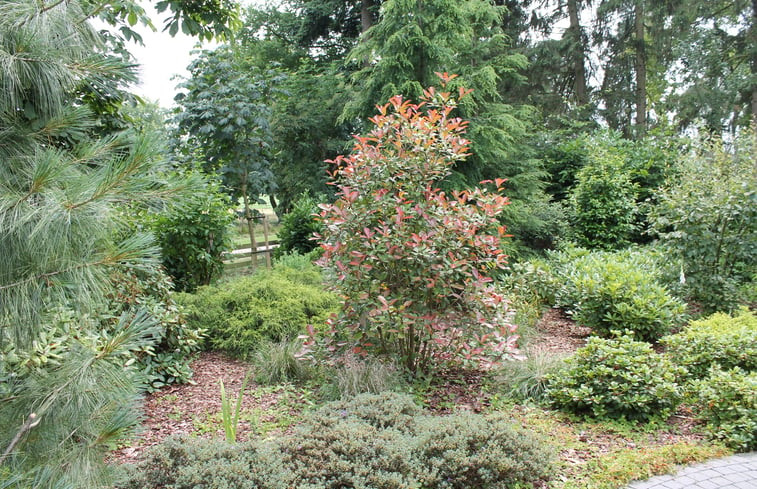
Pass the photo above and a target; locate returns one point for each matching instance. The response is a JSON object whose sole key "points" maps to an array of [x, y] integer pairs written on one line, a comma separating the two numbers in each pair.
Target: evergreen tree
{"points": [[63, 402], [413, 40]]}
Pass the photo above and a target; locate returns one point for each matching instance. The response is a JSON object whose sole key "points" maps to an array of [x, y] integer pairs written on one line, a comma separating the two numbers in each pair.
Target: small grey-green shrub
{"points": [[721, 340], [727, 401], [275, 363], [527, 379], [616, 378], [369, 442]]}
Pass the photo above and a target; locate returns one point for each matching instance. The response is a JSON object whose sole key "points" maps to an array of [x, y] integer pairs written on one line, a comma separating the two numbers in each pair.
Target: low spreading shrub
{"points": [[161, 361], [617, 291], [722, 340], [269, 306], [371, 441], [616, 378], [727, 401]]}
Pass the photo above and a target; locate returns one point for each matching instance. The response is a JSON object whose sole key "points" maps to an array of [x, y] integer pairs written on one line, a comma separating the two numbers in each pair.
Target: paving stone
{"points": [[735, 472]]}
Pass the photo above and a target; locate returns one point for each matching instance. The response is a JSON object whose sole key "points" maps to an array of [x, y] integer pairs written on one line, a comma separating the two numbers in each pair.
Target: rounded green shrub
{"points": [[270, 305], [193, 233], [604, 201], [618, 292], [727, 401], [722, 340], [616, 378], [298, 227]]}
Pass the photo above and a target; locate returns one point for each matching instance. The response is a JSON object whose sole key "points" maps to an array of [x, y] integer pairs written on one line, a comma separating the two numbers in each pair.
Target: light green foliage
{"points": [[193, 233], [616, 378], [604, 201], [298, 227], [275, 305], [708, 219], [371, 441], [720, 340], [727, 401], [229, 418], [616, 291]]}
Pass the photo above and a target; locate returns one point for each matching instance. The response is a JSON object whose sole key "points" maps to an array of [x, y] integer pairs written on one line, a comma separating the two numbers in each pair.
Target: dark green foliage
{"points": [[727, 401], [373, 441], [707, 217], [298, 227], [271, 305], [193, 233], [166, 359], [536, 225], [616, 291], [616, 378], [604, 202], [719, 340]]}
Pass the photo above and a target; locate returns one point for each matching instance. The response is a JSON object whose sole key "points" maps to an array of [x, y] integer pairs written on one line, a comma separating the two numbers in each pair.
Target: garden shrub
{"points": [[372, 441], [299, 227], [275, 363], [727, 401], [616, 378], [720, 340], [617, 291], [412, 262], [193, 234], [604, 201], [708, 219], [273, 305], [161, 360]]}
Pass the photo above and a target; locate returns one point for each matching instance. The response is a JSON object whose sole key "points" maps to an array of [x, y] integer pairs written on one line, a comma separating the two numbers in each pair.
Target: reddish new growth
{"points": [[412, 262]]}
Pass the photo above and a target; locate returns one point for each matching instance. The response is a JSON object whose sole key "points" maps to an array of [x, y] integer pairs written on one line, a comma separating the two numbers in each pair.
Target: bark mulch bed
{"points": [[194, 409]]}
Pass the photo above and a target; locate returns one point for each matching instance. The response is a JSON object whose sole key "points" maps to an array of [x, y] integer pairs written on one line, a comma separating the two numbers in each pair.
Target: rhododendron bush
{"points": [[413, 263]]}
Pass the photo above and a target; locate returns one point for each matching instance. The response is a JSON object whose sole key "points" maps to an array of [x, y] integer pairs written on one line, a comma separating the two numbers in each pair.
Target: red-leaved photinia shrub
{"points": [[412, 262]]}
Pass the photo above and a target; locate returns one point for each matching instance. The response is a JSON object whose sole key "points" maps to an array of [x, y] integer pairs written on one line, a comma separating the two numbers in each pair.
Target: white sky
{"points": [[162, 57]]}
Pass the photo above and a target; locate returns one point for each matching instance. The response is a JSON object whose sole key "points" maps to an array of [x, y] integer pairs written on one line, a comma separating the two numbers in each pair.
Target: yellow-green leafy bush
{"points": [[724, 340]]}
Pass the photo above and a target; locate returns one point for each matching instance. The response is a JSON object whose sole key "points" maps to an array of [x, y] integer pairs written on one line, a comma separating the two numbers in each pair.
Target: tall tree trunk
{"points": [[250, 224], [579, 53], [640, 66], [753, 43], [366, 16]]}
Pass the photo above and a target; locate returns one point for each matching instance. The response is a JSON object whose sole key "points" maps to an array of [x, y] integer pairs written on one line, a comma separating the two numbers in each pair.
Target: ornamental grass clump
{"points": [[412, 262]]}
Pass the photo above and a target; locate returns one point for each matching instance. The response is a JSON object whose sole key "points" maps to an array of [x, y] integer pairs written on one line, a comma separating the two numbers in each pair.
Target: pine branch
{"points": [[30, 423]]}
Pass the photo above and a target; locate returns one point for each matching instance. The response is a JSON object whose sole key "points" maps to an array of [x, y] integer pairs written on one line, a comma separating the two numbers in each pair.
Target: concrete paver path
{"points": [[734, 472]]}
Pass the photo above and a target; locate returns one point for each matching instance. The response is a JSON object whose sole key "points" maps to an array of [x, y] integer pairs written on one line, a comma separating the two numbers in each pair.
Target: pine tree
{"points": [[66, 394]]}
